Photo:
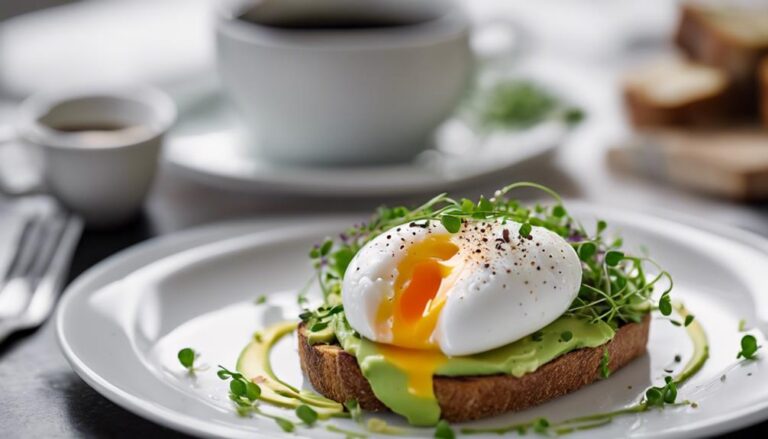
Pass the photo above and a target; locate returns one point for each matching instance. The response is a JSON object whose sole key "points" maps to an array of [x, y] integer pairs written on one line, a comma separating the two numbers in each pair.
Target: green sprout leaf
{"points": [[444, 431], [749, 347], [525, 230], [237, 387], [688, 319], [252, 391], [658, 396], [587, 250], [670, 391], [484, 205], [541, 425], [260, 300], [573, 115], [285, 424], [326, 247], [341, 259], [654, 397], [187, 358], [665, 305], [612, 258], [306, 414], [319, 326], [451, 223]]}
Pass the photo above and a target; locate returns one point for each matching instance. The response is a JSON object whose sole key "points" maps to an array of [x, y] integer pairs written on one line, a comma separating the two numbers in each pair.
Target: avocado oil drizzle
{"points": [[258, 356]]}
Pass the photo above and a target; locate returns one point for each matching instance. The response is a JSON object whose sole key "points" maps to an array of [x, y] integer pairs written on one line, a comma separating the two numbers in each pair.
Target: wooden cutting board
{"points": [[731, 163]]}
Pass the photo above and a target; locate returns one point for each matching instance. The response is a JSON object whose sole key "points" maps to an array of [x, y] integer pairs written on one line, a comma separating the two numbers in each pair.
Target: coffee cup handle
{"points": [[498, 40], [27, 182]]}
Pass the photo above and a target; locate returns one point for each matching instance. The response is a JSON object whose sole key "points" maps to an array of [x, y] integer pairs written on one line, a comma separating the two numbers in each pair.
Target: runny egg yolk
{"points": [[424, 276]]}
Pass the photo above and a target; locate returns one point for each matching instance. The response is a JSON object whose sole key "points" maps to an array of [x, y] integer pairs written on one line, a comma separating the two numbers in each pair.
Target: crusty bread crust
{"points": [[764, 91], [335, 374]]}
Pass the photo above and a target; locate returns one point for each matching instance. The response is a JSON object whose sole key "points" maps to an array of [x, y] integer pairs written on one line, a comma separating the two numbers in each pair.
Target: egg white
{"points": [[509, 286]]}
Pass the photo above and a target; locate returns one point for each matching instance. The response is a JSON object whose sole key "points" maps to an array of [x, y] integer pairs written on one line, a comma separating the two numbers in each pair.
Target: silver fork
{"points": [[35, 275]]}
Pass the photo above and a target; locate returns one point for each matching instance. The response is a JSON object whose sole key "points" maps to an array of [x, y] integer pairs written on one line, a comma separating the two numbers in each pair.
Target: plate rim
{"points": [[309, 188], [218, 232]]}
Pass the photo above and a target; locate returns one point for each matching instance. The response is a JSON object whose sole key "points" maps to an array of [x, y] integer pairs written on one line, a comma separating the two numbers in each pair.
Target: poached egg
{"points": [[464, 293], [423, 293]]}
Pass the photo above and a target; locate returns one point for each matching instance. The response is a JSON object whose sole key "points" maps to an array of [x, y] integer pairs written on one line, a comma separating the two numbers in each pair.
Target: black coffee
{"points": [[342, 14], [81, 127]]}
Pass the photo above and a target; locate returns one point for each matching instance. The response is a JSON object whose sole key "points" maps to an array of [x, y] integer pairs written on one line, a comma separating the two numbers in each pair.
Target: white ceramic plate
{"points": [[121, 324], [209, 145]]}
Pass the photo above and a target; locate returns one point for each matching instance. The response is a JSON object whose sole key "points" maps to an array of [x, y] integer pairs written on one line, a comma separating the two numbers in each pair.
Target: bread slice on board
{"points": [[728, 35], [675, 92], [729, 163], [335, 374]]}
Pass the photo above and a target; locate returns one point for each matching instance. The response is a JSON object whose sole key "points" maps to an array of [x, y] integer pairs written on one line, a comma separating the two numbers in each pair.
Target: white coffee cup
{"points": [[100, 148], [344, 96]]}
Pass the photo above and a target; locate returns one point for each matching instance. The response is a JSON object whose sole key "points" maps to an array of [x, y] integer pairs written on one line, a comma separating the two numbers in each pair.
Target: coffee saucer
{"points": [[209, 146]]}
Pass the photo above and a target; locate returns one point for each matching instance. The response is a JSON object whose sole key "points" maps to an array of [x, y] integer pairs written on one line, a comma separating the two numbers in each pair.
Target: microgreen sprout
{"points": [[307, 415], [517, 104], [749, 347], [354, 410], [658, 396], [541, 425], [616, 286], [444, 431], [187, 358], [245, 394], [260, 300], [665, 304]]}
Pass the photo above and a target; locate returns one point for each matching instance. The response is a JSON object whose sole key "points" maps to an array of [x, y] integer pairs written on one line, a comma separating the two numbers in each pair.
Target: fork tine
{"points": [[29, 245], [44, 295], [18, 243], [15, 292], [53, 230]]}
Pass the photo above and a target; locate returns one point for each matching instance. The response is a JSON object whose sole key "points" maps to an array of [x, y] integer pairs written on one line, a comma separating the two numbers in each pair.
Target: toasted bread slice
{"points": [[732, 37], [677, 93], [335, 374]]}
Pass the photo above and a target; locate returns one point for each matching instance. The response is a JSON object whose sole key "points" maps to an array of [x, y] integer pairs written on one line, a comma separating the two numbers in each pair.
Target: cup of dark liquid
{"points": [[100, 147], [343, 82]]}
